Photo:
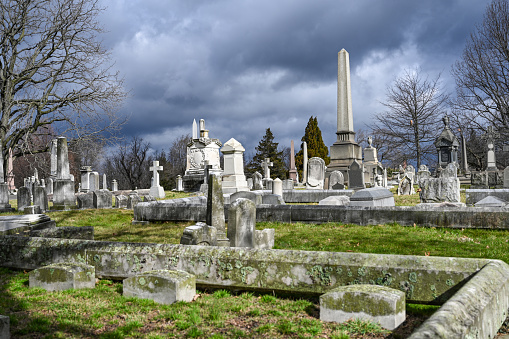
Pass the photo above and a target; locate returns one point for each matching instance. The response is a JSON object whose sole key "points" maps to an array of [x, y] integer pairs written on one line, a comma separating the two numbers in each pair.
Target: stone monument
{"points": [[200, 150], [293, 169], [447, 145], [372, 167], [234, 179], [156, 190], [63, 193], [4, 187], [345, 150], [490, 136], [10, 172]]}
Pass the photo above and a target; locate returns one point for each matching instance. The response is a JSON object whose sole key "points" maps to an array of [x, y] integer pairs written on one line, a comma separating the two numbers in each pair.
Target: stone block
{"points": [[340, 200], [63, 276], [149, 198], [272, 199], [102, 199], [63, 194], [162, 286], [375, 196], [367, 302], [5, 331], [24, 198], [440, 189], [85, 200], [199, 234], [41, 198], [264, 239]]}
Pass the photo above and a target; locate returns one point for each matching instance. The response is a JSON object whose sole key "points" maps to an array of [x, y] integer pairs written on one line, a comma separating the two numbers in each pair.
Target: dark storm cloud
{"points": [[248, 65]]}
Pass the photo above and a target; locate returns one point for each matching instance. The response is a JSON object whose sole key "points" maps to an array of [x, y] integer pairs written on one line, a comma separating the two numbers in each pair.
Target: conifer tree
{"points": [[267, 148], [316, 146]]}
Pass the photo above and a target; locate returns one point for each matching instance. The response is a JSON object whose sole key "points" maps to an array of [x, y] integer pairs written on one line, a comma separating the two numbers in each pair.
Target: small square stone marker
{"points": [[162, 286], [367, 302]]}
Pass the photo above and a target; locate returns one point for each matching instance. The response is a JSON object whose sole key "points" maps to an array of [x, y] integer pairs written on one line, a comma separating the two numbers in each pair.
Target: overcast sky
{"points": [[246, 65]]}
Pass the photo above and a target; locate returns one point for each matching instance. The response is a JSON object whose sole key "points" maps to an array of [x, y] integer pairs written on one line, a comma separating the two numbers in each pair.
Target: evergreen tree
{"points": [[316, 146], [267, 148]]}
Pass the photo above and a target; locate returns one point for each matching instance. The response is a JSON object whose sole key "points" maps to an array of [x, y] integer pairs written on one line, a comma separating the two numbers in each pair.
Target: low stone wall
{"points": [[424, 279], [455, 217], [475, 195], [474, 292]]}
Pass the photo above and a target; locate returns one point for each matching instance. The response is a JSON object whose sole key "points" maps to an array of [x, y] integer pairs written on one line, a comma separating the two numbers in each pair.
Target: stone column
{"points": [[215, 208], [62, 159], [4, 187], [304, 162], [293, 170], [10, 172], [53, 158], [63, 187]]}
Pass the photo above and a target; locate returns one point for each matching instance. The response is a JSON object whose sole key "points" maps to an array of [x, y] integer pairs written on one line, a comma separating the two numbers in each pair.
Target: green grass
{"points": [[104, 313]]}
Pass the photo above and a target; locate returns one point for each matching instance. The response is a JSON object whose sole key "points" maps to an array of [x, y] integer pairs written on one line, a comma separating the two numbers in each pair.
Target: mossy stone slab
{"points": [[63, 276], [367, 302], [162, 286], [4, 327]]}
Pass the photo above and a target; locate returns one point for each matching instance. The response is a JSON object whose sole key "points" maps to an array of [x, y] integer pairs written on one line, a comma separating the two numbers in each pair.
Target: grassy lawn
{"points": [[103, 312]]}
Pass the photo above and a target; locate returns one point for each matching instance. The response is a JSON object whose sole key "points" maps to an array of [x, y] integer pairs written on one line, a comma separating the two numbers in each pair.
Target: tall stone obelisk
{"points": [[345, 150]]}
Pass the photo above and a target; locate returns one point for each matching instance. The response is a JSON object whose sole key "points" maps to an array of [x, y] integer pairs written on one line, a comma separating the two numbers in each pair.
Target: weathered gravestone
{"points": [[506, 177], [356, 176], [121, 201], [41, 198], [180, 185], [114, 185], [272, 199], [255, 198], [445, 188], [336, 180], [102, 199], [257, 181], [63, 187], [24, 198], [85, 200], [241, 223], [200, 234], [288, 184], [93, 181], [215, 209], [133, 199], [316, 173], [277, 187]]}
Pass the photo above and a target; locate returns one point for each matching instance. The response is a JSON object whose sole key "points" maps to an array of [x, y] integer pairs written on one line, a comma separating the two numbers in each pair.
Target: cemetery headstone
{"points": [[121, 201], [255, 198], [156, 190], [180, 185], [304, 162], [241, 223], [10, 172], [289, 184], [336, 180], [4, 187], [114, 185], [24, 198], [94, 181], [356, 176], [489, 137], [272, 199], [133, 199], [445, 188], [85, 178], [277, 187], [316, 173], [267, 164], [85, 200], [41, 198], [506, 177], [249, 183], [199, 234], [105, 184], [102, 199], [257, 181]]}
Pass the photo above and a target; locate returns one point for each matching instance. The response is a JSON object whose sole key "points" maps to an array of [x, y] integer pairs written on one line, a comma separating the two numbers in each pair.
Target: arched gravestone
{"points": [[257, 181], [336, 180], [316, 173], [355, 176]]}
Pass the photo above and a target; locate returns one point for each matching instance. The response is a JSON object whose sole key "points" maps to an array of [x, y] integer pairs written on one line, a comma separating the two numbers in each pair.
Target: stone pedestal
{"points": [[63, 194], [234, 179]]}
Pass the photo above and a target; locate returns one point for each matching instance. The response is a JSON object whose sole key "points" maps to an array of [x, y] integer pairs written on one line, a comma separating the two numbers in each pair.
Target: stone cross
{"points": [[155, 168], [490, 137], [266, 167]]}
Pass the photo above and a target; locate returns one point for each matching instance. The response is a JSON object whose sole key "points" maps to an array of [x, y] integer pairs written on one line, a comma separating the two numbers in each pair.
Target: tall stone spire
{"points": [[345, 150], [345, 117]]}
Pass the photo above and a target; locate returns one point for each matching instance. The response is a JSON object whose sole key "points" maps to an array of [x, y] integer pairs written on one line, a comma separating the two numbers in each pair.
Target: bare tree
{"points": [[414, 104], [54, 71], [482, 77], [177, 159], [129, 165]]}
